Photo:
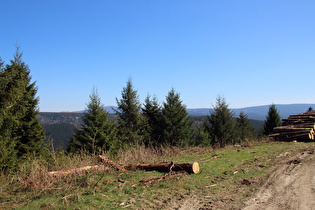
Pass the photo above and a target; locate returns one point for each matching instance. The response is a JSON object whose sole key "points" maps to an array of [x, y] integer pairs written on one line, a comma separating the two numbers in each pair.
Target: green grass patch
{"points": [[220, 179]]}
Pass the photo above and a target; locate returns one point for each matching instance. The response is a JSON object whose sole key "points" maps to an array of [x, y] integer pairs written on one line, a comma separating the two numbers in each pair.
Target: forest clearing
{"points": [[157, 105], [227, 179]]}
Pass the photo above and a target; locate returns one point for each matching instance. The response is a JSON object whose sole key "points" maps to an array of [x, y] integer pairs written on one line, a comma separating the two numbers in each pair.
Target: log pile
{"points": [[296, 128]]}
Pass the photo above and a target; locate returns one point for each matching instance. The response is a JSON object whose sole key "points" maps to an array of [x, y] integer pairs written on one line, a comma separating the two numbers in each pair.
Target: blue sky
{"points": [[251, 53]]}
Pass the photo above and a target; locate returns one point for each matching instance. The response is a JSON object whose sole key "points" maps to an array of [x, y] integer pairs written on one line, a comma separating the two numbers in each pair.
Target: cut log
{"points": [[290, 129], [299, 120], [294, 137], [302, 125], [192, 168]]}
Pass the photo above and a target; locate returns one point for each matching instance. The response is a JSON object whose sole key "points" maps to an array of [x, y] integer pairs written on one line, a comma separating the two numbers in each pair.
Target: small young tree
{"points": [[244, 128], [272, 120], [97, 133], [310, 109], [200, 136], [220, 124], [152, 115], [176, 124], [130, 121]]}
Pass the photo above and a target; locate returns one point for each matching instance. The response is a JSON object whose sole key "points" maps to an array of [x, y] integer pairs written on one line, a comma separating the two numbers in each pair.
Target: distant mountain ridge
{"points": [[260, 112], [253, 112]]}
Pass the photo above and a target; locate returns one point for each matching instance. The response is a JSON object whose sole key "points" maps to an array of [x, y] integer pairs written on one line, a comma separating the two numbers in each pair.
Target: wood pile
{"points": [[296, 128]]}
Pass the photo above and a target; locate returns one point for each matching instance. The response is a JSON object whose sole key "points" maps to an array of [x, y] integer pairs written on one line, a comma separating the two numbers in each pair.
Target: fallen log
{"points": [[110, 163], [75, 170], [192, 168]]}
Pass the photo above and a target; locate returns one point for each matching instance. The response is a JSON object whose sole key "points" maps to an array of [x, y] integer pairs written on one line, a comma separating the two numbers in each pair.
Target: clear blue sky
{"points": [[251, 52]]}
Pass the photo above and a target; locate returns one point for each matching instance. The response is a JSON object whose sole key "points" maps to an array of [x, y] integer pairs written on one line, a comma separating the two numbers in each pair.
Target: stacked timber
{"points": [[297, 127]]}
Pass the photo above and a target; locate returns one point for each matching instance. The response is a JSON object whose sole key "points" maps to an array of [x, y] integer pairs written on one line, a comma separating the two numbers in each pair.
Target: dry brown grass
{"points": [[140, 153]]}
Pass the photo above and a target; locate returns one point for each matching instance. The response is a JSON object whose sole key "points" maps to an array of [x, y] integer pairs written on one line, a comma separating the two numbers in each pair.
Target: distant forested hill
{"points": [[59, 127], [60, 134], [259, 112], [60, 117]]}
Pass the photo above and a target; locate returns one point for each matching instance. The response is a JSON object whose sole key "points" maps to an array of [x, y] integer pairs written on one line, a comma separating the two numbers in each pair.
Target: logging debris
{"points": [[170, 175]]}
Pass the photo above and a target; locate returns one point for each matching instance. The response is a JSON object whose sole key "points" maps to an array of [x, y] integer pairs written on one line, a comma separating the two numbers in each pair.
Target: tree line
{"points": [[150, 124], [161, 124]]}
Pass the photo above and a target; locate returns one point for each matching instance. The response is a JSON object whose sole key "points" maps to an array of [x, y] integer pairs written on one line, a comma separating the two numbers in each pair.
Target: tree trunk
{"points": [[192, 168]]}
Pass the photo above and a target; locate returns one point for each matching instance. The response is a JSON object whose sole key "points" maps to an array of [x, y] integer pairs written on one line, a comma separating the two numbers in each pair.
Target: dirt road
{"points": [[290, 186]]}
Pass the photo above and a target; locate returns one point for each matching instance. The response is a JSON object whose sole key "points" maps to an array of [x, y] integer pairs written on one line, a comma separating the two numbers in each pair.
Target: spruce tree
{"points": [[97, 133], [152, 115], [129, 119], [220, 124], [19, 102], [244, 128], [272, 120], [8, 152], [176, 124]]}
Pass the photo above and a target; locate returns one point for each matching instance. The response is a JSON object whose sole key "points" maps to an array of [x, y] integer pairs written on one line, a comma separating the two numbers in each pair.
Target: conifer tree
{"points": [[272, 120], [176, 124], [220, 124], [8, 153], [19, 102], [129, 119], [244, 128], [97, 133], [152, 114], [200, 136]]}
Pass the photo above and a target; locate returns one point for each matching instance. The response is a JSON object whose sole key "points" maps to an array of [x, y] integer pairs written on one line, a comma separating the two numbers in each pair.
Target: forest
{"points": [[25, 132]]}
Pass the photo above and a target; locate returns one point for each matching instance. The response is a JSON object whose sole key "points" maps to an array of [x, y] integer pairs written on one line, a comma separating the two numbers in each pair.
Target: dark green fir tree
{"points": [[129, 118], [220, 124], [97, 134], [272, 120], [176, 124], [152, 116], [19, 106], [244, 129]]}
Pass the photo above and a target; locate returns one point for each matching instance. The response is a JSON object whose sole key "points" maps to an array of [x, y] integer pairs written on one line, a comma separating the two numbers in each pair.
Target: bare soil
{"points": [[290, 186]]}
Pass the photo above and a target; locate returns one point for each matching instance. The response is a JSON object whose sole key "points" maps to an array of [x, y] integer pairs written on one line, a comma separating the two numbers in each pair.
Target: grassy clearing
{"points": [[218, 183]]}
